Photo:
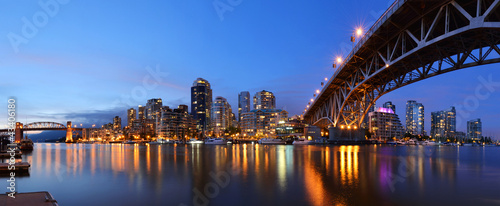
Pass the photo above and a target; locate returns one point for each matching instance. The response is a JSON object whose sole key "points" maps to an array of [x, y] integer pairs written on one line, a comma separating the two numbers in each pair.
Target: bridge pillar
{"points": [[346, 134], [69, 132], [19, 131]]}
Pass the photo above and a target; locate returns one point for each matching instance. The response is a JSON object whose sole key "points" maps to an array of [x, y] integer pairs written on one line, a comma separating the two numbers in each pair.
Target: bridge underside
{"points": [[417, 40]]}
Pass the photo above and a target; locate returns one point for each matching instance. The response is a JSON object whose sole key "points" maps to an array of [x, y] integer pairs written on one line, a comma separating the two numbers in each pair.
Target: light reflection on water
{"points": [[117, 174]]}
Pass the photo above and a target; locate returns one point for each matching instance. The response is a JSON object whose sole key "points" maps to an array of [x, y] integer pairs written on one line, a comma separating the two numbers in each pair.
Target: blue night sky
{"points": [[91, 60]]}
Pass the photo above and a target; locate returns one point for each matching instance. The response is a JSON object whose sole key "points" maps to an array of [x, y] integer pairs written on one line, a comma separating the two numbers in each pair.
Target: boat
{"points": [[216, 141], [321, 141], [26, 144], [271, 141], [429, 143], [412, 142], [130, 142], [391, 142], [159, 141], [302, 141], [194, 141], [401, 142]]}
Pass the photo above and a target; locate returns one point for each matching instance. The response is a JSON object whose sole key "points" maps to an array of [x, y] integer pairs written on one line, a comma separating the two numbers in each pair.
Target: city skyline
{"points": [[69, 80]]}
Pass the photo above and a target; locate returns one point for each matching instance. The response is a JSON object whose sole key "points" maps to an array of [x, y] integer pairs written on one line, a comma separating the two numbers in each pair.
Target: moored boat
{"points": [[216, 141], [26, 144], [302, 141], [429, 143], [271, 141], [194, 141]]}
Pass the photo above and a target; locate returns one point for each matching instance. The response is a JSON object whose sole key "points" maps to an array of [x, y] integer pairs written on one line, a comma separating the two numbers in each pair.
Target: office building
{"points": [[201, 104], [153, 107], [243, 103], [221, 116], [443, 124], [389, 105], [131, 116], [474, 129], [262, 122], [176, 123], [264, 100], [141, 112], [415, 118], [117, 123]]}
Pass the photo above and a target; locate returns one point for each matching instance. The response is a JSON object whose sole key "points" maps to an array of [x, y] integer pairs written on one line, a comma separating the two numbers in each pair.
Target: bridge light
{"points": [[349, 127], [355, 127], [307, 106], [326, 79], [359, 32], [339, 60], [312, 100], [341, 126], [386, 65], [317, 91]]}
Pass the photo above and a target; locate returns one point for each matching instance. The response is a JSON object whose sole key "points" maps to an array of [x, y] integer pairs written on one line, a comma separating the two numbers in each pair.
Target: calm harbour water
{"points": [[251, 174]]}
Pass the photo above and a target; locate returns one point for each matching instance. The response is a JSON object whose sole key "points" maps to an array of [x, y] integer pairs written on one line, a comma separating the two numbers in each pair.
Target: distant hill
{"points": [[47, 135]]}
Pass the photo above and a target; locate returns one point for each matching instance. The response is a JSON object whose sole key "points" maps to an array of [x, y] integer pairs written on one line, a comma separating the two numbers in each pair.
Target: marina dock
{"points": [[21, 167], [29, 199]]}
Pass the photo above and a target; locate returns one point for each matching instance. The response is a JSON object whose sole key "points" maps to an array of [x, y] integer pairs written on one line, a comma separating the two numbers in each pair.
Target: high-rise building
{"points": [[153, 107], [141, 113], [264, 100], [221, 116], [389, 105], [443, 124], [201, 103], [474, 129], [131, 116], [262, 122], [415, 118], [176, 123], [117, 123], [385, 124], [243, 103]]}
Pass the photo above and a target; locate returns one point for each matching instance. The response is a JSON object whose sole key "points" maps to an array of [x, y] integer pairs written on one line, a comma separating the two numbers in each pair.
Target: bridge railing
{"points": [[386, 15]]}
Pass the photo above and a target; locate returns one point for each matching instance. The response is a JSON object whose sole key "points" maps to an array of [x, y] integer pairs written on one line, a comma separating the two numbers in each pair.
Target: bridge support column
{"points": [[69, 132], [346, 134], [19, 131]]}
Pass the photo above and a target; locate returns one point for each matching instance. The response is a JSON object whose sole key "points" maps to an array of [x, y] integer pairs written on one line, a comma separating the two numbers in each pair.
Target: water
{"points": [[98, 174]]}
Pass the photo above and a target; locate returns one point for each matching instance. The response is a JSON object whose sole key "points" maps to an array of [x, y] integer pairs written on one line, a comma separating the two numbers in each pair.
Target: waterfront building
{"points": [[389, 105], [443, 124], [153, 107], [385, 124], [222, 116], [117, 123], [415, 118], [292, 127], [201, 103], [176, 123], [264, 100], [262, 122], [243, 103], [131, 116], [474, 129]]}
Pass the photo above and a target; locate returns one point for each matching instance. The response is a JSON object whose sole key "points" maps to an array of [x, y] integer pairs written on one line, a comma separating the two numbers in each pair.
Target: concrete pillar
{"points": [[19, 132], [346, 133], [69, 132]]}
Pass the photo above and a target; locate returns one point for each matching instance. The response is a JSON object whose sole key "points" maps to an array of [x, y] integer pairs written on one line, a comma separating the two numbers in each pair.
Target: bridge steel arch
{"points": [[43, 126], [412, 41]]}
